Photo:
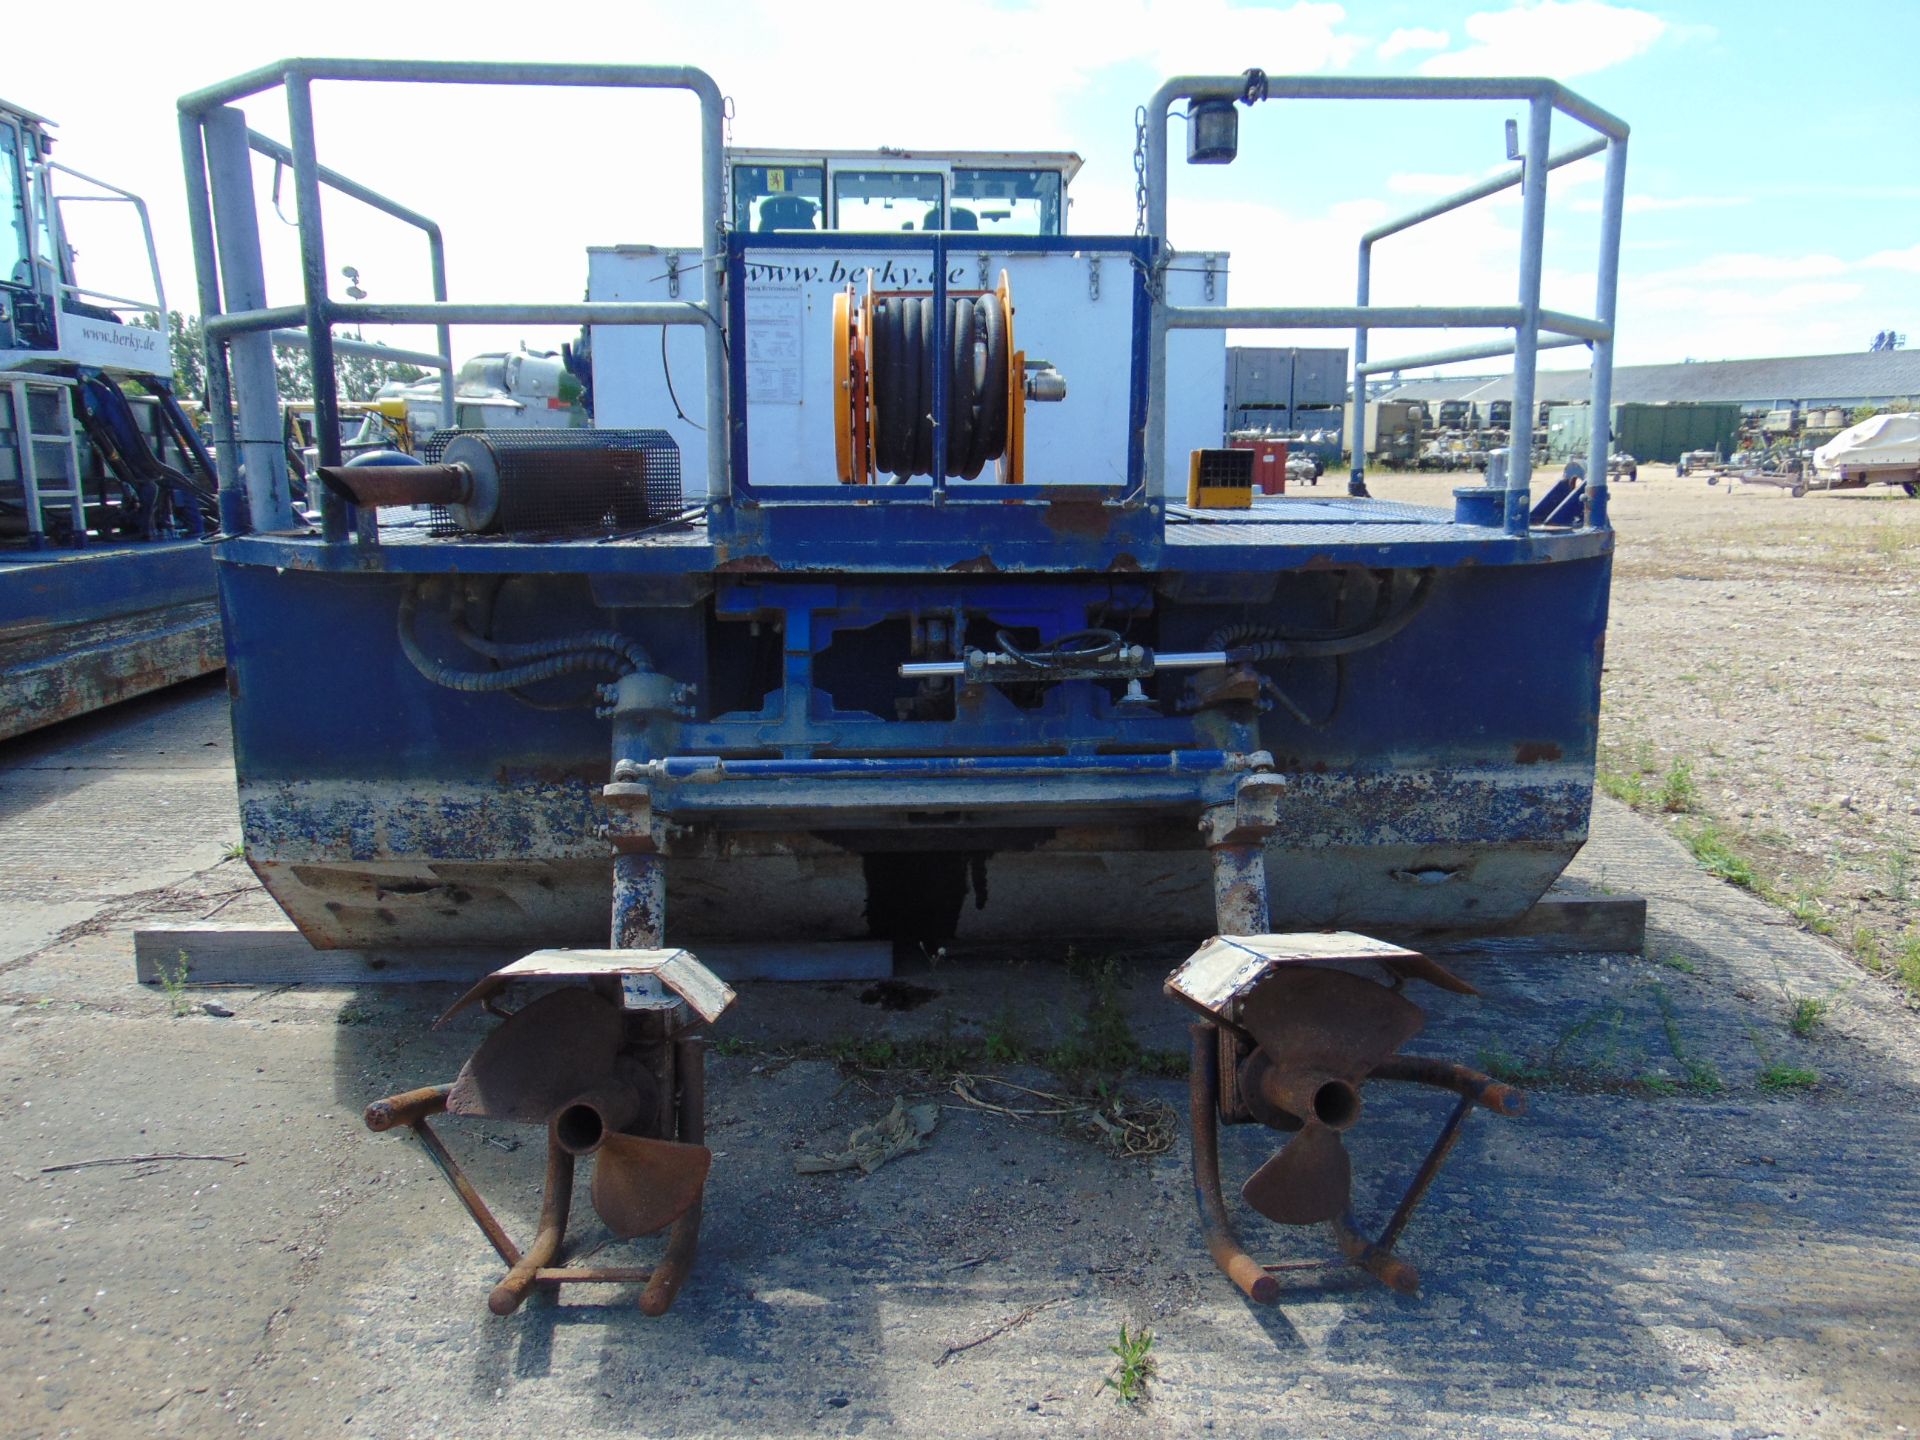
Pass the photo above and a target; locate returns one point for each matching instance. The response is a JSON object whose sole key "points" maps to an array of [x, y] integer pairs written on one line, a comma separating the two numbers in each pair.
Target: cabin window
{"points": [[16, 260], [1007, 202], [767, 198], [886, 200]]}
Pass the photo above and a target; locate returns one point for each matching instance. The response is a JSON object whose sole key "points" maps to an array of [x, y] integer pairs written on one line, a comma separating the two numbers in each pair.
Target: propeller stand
{"points": [[1294, 1026], [609, 1069]]}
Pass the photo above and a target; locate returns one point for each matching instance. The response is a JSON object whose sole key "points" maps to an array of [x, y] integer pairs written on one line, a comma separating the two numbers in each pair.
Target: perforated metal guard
{"points": [[572, 482], [1226, 467]]}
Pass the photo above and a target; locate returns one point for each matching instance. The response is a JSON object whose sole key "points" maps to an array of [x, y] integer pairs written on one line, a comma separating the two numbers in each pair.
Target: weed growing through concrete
{"points": [[1630, 772], [1005, 1043], [1808, 1011], [1677, 794], [1787, 1079], [1130, 1377], [1811, 914], [1866, 949], [1907, 959], [1165, 1064], [173, 984], [1622, 785], [236, 851], [1101, 1044], [1899, 874], [1700, 1077], [1681, 963], [1715, 850], [1510, 1070]]}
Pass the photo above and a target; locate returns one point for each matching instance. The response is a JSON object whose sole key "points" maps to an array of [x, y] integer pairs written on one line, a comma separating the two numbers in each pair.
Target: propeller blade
{"points": [[1312, 1020], [1423, 967], [547, 1052], [642, 1185], [1310, 1179]]}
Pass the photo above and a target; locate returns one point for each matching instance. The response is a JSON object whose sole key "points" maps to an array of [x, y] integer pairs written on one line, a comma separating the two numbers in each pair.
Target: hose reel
{"points": [[884, 364]]}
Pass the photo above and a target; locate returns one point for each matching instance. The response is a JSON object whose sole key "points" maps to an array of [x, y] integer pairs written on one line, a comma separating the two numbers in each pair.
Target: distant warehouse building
{"points": [[1882, 377]]}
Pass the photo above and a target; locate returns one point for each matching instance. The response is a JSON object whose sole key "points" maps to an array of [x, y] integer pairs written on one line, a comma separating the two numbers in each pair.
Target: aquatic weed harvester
{"points": [[904, 587]]}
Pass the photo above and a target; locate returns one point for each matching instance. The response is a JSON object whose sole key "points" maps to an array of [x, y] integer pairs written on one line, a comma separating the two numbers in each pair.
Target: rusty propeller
{"points": [[560, 1062], [1320, 1032]]}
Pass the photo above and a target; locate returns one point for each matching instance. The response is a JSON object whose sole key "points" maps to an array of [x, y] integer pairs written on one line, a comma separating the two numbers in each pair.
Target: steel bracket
{"points": [[1253, 815]]}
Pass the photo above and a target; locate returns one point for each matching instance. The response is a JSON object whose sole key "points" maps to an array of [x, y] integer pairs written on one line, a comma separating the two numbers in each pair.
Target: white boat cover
{"points": [[1879, 440]]}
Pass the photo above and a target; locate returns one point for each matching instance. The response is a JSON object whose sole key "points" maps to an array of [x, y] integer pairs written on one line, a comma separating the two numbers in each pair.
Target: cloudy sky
{"points": [[1774, 207]]}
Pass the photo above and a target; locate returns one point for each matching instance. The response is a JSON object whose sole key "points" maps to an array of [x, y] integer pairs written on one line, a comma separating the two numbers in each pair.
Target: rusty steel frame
{"points": [[1376, 1257], [536, 1267]]}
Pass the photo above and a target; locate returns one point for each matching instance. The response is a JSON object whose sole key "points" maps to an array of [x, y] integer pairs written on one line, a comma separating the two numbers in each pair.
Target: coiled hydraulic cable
{"points": [[1079, 647], [1249, 643], [619, 650], [903, 381], [549, 666]]}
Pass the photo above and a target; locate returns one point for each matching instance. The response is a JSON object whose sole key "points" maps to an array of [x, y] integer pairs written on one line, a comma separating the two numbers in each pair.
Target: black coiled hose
{"points": [[1079, 647], [547, 666], [617, 647], [1251, 644], [903, 381]]}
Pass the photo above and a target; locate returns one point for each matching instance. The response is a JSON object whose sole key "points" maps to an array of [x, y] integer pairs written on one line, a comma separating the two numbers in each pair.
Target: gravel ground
{"points": [[1760, 693]]}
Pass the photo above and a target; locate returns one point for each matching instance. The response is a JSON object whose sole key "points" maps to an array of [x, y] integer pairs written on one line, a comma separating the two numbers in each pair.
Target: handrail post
{"points": [[313, 268], [1357, 437], [256, 392], [1533, 229], [1607, 287], [234, 517]]}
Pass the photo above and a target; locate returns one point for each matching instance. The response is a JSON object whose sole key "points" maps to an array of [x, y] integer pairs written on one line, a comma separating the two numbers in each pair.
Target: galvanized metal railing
{"points": [[216, 146], [1533, 327], [55, 205]]}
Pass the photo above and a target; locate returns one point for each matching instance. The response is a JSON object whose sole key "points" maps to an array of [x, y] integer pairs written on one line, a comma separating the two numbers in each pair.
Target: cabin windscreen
{"points": [[16, 254], [769, 198], [869, 200], [1006, 202]]}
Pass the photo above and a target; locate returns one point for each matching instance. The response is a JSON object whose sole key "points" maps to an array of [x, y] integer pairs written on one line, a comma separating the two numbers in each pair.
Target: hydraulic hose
{"points": [[1081, 646], [480, 681], [903, 379], [1255, 643], [621, 651]]}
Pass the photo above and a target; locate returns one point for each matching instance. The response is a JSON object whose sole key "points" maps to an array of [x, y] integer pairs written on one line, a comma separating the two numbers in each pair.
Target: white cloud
{"points": [[1426, 182], [1562, 38], [1719, 269], [1412, 38], [1652, 204], [1907, 259]]}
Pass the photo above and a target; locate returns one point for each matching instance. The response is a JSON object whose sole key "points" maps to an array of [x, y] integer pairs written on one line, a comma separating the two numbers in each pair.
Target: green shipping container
{"points": [[1659, 434], [1663, 433]]}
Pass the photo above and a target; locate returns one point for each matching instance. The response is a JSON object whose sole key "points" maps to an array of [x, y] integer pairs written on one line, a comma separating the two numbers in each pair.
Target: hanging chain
{"points": [[726, 167], [1140, 170]]}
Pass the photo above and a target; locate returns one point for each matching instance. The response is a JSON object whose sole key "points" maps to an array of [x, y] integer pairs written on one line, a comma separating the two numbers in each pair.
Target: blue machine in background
{"points": [[941, 641], [106, 588]]}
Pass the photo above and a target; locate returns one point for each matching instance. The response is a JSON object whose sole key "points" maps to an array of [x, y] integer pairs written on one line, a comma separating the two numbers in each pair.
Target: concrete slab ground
{"points": [[1663, 1247]]}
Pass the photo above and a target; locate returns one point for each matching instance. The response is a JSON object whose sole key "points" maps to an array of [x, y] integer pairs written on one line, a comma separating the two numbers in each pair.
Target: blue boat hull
{"points": [[1440, 778], [80, 630]]}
